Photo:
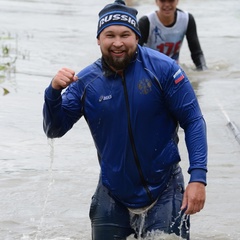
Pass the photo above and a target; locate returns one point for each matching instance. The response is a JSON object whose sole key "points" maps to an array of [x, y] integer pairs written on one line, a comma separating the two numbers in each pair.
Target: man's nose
{"points": [[118, 42]]}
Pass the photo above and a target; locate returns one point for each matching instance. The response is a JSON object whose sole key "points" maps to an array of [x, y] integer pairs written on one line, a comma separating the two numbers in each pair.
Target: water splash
{"points": [[157, 235], [138, 221], [49, 188], [142, 221], [184, 220]]}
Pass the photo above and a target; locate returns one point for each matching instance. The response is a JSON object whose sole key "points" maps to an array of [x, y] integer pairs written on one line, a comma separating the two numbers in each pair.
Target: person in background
{"points": [[133, 99], [164, 30], [130, 2]]}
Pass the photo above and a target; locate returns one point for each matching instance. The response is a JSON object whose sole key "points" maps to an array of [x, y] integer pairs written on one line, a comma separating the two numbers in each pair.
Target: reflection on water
{"points": [[46, 187]]}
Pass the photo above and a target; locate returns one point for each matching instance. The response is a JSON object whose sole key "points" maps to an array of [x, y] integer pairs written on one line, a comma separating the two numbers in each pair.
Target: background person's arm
{"points": [[194, 45], [144, 29]]}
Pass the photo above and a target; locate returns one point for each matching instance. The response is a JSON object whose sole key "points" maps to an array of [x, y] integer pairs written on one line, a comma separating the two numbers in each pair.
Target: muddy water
{"points": [[46, 186]]}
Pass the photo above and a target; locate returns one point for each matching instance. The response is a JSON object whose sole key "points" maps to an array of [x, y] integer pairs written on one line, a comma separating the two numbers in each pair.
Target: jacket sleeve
{"points": [[60, 111], [194, 45], [184, 107]]}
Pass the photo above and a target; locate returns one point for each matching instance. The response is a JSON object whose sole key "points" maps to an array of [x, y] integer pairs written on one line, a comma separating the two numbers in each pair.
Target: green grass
{"points": [[8, 57]]}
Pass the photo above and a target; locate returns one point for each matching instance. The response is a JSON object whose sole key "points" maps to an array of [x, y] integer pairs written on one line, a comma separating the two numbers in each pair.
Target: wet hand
{"points": [[194, 198], [63, 78]]}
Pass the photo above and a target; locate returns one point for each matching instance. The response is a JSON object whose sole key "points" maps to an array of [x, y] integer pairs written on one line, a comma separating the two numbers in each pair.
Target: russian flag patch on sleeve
{"points": [[178, 76]]}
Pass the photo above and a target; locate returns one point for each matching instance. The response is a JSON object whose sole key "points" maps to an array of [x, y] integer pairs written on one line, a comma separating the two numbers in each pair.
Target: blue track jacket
{"points": [[134, 121]]}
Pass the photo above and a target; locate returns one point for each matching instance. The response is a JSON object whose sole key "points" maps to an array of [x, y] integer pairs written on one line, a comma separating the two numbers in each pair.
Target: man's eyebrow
{"points": [[114, 32], [127, 31]]}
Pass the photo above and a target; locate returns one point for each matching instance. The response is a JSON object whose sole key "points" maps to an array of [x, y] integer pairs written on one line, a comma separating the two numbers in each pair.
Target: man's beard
{"points": [[117, 63]]}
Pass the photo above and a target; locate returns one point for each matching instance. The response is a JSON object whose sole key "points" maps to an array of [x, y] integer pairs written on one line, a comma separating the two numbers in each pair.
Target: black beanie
{"points": [[118, 13]]}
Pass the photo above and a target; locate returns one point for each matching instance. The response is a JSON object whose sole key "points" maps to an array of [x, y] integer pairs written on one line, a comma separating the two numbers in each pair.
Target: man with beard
{"points": [[133, 99]]}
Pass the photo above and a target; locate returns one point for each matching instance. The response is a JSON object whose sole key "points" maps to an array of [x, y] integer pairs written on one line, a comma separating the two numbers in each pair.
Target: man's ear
{"points": [[98, 41], [137, 37]]}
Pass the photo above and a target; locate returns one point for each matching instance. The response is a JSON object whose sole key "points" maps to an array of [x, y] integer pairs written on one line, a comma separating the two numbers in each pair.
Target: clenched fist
{"points": [[63, 78]]}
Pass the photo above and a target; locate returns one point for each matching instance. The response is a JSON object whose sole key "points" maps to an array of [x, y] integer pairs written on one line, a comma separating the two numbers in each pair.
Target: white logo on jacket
{"points": [[104, 98]]}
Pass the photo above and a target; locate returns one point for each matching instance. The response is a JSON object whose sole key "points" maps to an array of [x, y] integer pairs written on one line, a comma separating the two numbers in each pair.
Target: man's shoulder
{"points": [[156, 61], [91, 71], [162, 67]]}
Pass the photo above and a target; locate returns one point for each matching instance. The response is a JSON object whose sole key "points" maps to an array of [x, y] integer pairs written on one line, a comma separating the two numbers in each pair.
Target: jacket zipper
{"points": [[144, 183]]}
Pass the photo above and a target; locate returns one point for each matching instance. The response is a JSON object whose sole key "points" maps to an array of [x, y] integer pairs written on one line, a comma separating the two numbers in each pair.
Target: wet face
{"points": [[167, 7], [118, 45]]}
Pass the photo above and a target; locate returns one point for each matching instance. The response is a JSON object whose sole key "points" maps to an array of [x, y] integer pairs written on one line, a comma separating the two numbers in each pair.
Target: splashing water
{"points": [[49, 187], [142, 221], [184, 219], [157, 235], [138, 221]]}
